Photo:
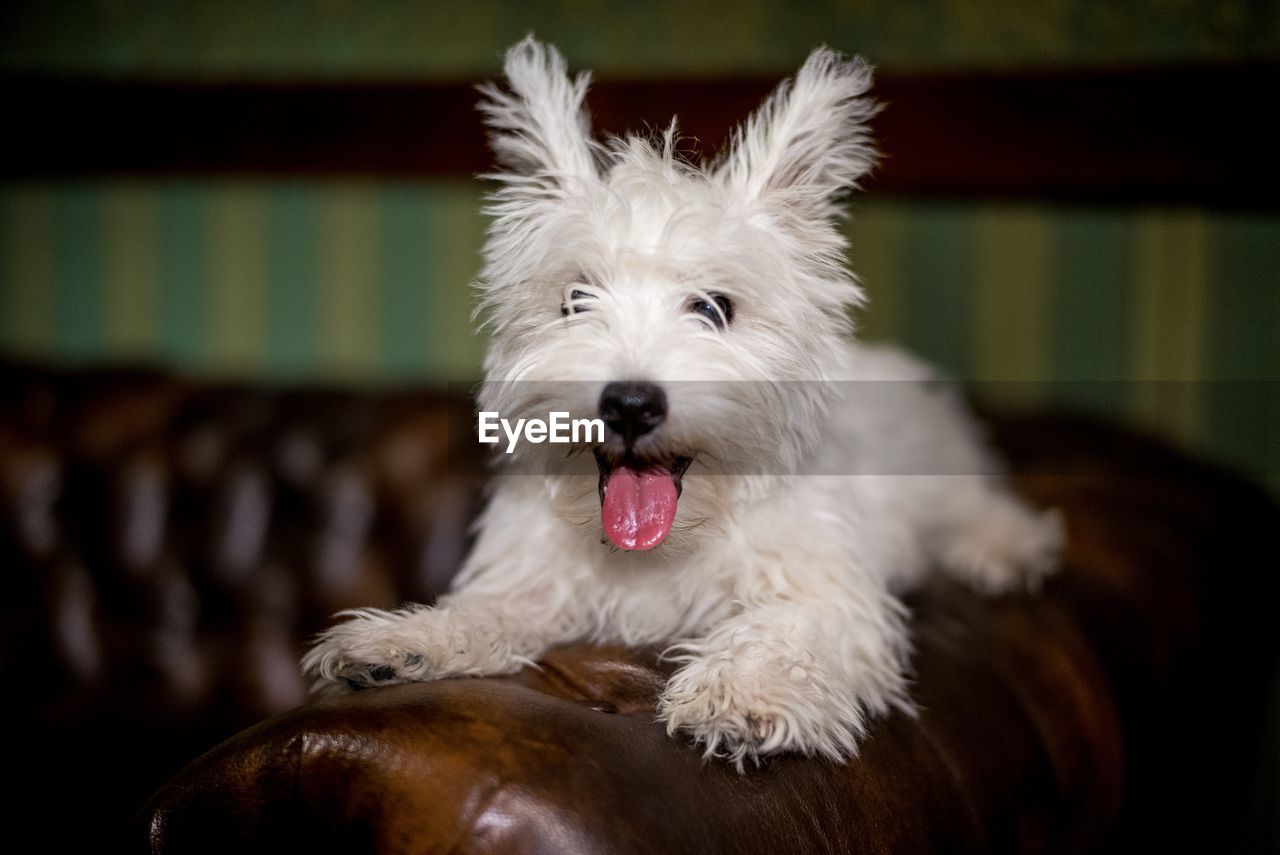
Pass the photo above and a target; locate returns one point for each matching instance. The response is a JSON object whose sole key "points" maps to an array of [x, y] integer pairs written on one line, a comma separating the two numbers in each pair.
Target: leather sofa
{"points": [[170, 544]]}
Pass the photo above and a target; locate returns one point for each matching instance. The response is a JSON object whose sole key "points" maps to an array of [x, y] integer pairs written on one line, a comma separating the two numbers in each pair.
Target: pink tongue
{"points": [[638, 507]]}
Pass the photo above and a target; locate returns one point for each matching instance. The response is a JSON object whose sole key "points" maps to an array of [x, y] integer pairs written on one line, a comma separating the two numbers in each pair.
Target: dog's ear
{"points": [[539, 129], [808, 144]]}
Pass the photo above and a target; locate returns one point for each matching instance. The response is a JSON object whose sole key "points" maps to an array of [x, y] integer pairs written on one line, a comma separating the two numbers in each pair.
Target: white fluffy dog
{"points": [[762, 495]]}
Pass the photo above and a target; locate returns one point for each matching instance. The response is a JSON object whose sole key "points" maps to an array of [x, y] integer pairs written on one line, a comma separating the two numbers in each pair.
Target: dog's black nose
{"points": [[633, 408]]}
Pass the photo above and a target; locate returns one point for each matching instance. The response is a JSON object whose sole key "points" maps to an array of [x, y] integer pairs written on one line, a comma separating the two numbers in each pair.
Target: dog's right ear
{"points": [[539, 129], [809, 143]]}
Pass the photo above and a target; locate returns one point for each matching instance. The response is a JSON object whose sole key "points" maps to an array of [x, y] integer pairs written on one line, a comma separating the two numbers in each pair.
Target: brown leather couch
{"points": [[170, 545]]}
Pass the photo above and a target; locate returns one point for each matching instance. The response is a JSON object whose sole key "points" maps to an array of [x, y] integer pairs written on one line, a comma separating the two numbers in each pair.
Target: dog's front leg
{"points": [[468, 633], [795, 674]]}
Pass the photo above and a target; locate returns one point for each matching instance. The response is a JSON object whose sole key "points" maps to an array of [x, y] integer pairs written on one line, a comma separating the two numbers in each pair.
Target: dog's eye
{"points": [[574, 304], [718, 309]]}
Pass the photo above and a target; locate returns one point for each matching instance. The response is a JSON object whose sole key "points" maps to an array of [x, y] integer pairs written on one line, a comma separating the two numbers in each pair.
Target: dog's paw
{"points": [[739, 713], [1010, 549], [371, 648]]}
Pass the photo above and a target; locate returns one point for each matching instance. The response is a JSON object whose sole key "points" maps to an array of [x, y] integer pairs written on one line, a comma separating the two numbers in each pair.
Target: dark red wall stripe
{"points": [[1168, 136]]}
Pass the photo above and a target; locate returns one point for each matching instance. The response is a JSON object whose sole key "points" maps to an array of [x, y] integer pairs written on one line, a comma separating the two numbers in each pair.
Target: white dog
{"points": [[762, 495]]}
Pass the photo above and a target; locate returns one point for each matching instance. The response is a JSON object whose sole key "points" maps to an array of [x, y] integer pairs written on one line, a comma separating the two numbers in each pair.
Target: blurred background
{"points": [[1078, 205], [1099, 224]]}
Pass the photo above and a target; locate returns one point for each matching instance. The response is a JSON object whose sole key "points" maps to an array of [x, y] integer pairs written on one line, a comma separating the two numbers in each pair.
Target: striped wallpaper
{"points": [[349, 280], [1167, 316]]}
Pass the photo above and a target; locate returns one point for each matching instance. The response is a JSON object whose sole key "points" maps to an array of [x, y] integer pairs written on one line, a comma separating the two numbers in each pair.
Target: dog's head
{"points": [[694, 309]]}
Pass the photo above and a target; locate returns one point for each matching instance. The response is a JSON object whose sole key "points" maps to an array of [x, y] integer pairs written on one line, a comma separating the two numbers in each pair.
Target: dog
{"points": [[765, 490]]}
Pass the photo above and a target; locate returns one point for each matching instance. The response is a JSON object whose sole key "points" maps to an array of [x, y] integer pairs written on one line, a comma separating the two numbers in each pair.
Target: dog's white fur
{"points": [[778, 590]]}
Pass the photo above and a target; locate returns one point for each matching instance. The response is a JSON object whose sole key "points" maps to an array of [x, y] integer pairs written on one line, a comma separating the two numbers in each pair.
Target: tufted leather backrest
{"points": [[169, 546]]}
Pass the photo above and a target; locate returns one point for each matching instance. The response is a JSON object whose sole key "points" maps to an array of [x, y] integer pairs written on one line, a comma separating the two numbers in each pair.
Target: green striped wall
{"points": [[326, 279], [1170, 317], [1166, 317]]}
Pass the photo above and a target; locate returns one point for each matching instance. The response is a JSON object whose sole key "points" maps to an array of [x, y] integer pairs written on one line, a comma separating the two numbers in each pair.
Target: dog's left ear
{"points": [[808, 144], [539, 129]]}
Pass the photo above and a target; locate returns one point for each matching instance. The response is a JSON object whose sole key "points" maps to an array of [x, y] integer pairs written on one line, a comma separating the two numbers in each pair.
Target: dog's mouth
{"points": [[638, 498]]}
